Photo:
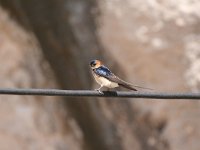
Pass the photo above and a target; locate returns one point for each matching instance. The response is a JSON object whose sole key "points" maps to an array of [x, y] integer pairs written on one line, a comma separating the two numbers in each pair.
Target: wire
{"points": [[89, 93]]}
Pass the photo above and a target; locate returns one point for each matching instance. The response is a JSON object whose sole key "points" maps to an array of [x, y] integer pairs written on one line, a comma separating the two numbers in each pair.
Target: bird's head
{"points": [[95, 64]]}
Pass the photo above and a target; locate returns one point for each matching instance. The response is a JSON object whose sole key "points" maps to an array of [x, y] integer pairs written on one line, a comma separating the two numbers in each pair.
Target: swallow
{"points": [[106, 78]]}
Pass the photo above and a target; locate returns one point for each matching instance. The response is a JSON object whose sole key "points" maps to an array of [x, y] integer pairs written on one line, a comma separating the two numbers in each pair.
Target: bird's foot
{"points": [[99, 91]]}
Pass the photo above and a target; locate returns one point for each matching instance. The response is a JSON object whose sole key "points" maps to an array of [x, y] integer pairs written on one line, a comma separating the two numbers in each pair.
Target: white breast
{"points": [[105, 82]]}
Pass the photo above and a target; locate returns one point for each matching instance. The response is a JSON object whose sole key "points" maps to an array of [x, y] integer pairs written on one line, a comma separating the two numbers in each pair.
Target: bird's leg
{"points": [[99, 89]]}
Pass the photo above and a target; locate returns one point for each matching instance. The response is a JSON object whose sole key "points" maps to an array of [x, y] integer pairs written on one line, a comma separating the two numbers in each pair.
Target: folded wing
{"points": [[105, 72]]}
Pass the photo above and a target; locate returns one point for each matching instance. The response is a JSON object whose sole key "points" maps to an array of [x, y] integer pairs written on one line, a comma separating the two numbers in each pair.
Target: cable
{"points": [[89, 93]]}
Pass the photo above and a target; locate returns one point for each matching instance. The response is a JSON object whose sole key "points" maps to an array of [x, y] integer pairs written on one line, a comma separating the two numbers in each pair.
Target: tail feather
{"points": [[128, 86], [124, 84], [131, 86], [141, 87]]}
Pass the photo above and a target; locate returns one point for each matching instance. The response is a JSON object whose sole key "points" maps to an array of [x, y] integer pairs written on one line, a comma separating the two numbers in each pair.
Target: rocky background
{"points": [[49, 43]]}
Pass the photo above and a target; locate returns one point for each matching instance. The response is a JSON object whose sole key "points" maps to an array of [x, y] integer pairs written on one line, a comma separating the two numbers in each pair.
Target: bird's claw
{"points": [[99, 91]]}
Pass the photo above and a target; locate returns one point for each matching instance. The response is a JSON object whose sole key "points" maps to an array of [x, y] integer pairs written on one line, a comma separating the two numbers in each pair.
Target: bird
{"points": [[106, 78]]}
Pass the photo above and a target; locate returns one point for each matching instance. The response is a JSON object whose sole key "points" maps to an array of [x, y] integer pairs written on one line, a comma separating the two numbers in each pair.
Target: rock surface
{"points": [[157, 45], [48, 44], [30, 122]]}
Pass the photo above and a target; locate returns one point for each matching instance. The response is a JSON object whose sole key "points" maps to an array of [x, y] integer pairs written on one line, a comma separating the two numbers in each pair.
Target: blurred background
{"points": [[49, 44]]}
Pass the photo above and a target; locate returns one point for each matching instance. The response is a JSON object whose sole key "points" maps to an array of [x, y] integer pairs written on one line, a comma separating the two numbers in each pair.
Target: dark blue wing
{"points": [[103, 71]]}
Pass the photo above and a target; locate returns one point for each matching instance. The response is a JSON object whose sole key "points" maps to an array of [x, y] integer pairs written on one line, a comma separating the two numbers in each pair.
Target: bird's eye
{"points": [[93, 63]]}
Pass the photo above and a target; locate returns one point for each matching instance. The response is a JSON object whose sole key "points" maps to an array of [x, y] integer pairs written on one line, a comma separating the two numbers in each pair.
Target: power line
{"points": [[91, 93]]}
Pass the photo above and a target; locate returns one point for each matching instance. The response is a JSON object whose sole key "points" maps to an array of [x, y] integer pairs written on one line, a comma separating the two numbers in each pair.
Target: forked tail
{"points": [[127, 86], [141, 87], [131, 86]]}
